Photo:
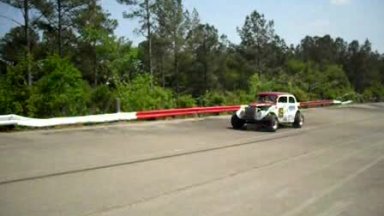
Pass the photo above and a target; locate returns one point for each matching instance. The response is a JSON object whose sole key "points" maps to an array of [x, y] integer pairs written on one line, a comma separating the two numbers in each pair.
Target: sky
{"points": [[294, 19]]}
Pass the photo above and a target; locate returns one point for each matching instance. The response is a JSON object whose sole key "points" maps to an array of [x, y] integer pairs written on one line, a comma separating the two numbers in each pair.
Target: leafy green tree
{"points": [[362, 65], [57, 24], [61, 92], [203, 42], [29, 34], [14, 89], [123, 63], [258, 41], [12, 45], [96, 44], [143, 10], [172, 26], [359, 62], [231, 72], [323, 50], [327, 82], [258, 83], [139, 95], [25, 7]]}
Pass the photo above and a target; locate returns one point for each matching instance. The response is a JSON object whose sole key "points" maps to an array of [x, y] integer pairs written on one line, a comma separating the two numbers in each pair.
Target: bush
{"points": [[375, 93], [311, 81], [239, 97], [257, 84], [14, 90], [299, 93], [60, 92], [216, 98], [213, 98], [186, 101], [102, 100], [139, 95]]}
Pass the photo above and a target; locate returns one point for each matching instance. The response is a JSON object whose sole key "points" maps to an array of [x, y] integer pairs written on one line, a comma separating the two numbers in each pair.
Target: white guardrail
{"points": [[33, 122], [337, 102]]}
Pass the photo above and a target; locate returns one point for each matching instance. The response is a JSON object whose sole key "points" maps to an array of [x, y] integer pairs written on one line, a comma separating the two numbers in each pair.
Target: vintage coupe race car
{"points": [[271, 110]]}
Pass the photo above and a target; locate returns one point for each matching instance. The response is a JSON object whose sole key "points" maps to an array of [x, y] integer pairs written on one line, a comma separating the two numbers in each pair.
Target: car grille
{"points": [[250, 113]]}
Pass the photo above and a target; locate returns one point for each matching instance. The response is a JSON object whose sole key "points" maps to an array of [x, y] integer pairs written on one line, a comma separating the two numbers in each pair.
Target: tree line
{"points": [[64, 59]]}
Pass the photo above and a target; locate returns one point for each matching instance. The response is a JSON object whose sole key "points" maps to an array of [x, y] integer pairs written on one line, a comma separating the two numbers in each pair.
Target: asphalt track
{"points": [[332, 166]]}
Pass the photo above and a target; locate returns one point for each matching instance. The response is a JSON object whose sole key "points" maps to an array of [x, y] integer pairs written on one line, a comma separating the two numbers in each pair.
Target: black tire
{"points": [[236, 122], [299, 120], [273, 123]]}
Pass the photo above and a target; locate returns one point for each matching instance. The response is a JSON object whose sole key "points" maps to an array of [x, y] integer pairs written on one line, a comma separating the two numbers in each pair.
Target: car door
{"points": [[282, 109], [292, 108]]}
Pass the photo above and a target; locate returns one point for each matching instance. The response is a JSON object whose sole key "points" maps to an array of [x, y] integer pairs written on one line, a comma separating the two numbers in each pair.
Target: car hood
{"points": [[258, 104]]}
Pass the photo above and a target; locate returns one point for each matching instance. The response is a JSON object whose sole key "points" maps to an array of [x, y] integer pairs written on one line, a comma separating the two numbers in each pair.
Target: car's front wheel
{"points": [[273, 123], [236, 122]]}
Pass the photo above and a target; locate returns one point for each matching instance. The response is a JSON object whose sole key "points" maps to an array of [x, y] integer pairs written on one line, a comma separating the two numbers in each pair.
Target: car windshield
{"points": [[266, 98]]}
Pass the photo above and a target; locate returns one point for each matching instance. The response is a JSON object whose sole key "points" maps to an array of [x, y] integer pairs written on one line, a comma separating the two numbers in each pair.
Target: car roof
{"points": [[274, 93]]}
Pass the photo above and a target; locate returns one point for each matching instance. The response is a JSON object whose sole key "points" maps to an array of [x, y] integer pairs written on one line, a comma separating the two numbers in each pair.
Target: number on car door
{"points": [[282, 105]]}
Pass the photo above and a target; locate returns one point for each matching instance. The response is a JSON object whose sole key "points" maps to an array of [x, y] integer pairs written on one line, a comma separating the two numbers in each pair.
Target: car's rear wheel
{"points": [[299, 120], [273, 123], [236, 122]]}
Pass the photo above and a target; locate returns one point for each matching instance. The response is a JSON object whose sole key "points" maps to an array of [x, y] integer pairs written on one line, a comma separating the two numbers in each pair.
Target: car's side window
{"points": [[292, 100], [283, 99]]}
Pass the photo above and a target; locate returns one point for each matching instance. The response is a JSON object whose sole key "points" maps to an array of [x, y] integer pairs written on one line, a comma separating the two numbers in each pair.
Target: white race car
{"points": [[271, 110]]}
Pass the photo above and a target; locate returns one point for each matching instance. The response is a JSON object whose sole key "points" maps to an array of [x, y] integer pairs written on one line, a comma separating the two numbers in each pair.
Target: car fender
{"points": [[241, 111]]}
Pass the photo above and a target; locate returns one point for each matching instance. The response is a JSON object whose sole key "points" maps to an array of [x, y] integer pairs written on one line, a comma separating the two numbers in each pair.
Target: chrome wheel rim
{"points": [[274, 126]]}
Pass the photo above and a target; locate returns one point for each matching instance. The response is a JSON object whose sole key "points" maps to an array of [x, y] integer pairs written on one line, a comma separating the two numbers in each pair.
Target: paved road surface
{"points": [[332, 166]]}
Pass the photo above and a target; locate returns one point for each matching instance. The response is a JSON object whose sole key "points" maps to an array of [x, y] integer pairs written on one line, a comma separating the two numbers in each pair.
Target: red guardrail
{"points": [[185, 111], [319, 103], [154, 114]]}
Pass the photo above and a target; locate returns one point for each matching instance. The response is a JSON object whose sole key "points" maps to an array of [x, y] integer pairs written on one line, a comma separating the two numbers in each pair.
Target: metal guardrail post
{"points": [[118, 105]]}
